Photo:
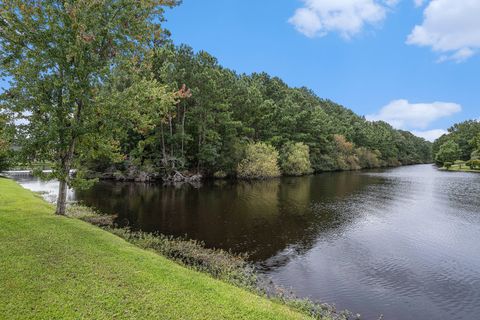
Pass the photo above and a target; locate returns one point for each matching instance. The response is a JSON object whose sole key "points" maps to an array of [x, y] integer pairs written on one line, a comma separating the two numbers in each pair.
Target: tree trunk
{"points": [[183, 131], [62, 188], [62, 198]]}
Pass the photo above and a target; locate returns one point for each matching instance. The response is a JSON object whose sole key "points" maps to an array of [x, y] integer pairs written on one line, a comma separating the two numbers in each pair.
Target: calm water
{"points": [[402, 242]]}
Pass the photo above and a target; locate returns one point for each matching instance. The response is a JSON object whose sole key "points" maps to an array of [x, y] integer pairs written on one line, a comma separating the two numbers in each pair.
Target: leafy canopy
{"points": [[448, 153], [295, 159], [58, 55], [260, 161]]}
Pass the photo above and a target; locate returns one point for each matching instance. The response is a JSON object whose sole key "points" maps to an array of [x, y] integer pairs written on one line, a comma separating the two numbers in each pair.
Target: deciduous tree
{"points": [[58, 55]]}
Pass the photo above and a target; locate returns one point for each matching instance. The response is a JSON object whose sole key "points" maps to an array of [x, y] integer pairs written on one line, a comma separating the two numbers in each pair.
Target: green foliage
{"points": [[260, 161], [476, 145], [474, 164], [345, 154], [475, 155], [5, 140], [465, 134], [368, 159], [217, 111], [448, 152], [59, 56], [448, 165], [295, 159]]}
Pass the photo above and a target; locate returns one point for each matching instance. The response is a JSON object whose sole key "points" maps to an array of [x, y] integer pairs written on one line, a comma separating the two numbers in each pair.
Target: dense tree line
{"points": [[461, 143], [111, 94], [218, 116]]}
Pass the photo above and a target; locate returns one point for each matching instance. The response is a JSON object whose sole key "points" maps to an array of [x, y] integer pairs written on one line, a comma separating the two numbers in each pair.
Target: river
{"points": [[402, 242]]}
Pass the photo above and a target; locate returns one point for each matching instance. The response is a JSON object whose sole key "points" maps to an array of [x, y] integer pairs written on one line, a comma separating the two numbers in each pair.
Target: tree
{"points": [[295, 159], [260, 161], [449, 152], [368, 159], [5, 136], [58, 55], [217, 111], [464, 134], [345, 154], [476, 145]]}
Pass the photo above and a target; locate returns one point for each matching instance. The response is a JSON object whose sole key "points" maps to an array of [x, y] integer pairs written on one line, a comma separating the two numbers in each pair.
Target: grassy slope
{"points": [[54, 267]]}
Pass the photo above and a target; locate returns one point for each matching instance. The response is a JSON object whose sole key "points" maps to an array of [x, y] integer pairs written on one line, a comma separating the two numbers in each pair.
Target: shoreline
{"points": [[21, 207]]}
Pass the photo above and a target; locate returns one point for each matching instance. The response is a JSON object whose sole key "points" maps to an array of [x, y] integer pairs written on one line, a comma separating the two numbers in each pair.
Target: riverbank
{"points": [[57, 267], [458, 168]]}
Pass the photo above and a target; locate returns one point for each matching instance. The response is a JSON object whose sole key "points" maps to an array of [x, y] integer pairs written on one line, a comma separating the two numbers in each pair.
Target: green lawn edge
{"points": [[456, 168], [55, 267]]}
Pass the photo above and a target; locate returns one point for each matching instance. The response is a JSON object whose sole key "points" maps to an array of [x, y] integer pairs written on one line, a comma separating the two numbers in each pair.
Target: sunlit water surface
{"points": [[401, 242]]}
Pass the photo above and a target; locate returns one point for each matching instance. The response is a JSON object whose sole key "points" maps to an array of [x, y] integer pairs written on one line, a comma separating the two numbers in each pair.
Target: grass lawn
{"points": [[62, 268], [461, 168]]}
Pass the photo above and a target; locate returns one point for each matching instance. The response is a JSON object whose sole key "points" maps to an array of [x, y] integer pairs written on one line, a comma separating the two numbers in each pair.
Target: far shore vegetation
{"points": [[459, 150], [99, 87]]}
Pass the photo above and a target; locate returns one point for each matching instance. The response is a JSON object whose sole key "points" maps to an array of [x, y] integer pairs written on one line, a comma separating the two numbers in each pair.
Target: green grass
{"points": [[460, 168], [62, 268]]}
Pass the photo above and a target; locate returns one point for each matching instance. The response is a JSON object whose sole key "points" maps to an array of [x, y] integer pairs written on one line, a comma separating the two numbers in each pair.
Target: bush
{"points": [[346, 159], [295, 159], [368, 159], [4, 161], [475, 155], [474, 164], [260, 161]]}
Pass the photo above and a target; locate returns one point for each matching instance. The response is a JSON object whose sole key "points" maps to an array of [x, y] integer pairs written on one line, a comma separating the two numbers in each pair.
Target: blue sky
{"points": [[412, 63]]}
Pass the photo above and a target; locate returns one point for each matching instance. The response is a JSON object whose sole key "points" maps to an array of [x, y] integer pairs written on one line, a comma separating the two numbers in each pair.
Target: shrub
{"points": [[260, 161], [295, 159], [475, 155], [346, 159], [368, 159], [474, 164]]}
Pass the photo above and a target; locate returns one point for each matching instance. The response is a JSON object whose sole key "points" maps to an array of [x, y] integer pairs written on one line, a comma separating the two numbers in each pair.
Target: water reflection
{"points": [[402, 242], [260, 217]]}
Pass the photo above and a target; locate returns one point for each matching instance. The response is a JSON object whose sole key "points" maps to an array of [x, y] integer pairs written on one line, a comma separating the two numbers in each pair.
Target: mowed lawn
{"points": [[61, 268]]}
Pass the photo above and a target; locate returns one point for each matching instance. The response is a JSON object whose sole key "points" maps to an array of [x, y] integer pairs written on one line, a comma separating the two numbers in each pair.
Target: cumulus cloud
{"points": [[430, 135], [419, 3], [402, 114], [347, 17], [449, 27]]}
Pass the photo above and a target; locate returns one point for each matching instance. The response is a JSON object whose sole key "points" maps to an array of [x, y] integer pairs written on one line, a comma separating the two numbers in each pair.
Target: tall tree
{"points": [[58, 54], [449, 152]]}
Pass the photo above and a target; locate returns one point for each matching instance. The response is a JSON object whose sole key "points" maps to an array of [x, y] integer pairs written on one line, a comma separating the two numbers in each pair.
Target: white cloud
{"points": [[348, 17], [402, 114], [430, 135], [449, 27], [419, 3]]}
